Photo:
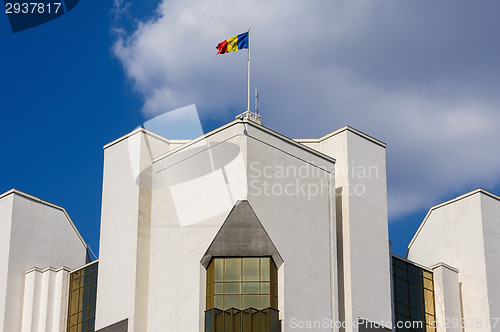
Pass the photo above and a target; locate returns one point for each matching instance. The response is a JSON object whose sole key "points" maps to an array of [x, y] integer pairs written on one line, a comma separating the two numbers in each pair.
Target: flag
{"points": [[235, 43]]}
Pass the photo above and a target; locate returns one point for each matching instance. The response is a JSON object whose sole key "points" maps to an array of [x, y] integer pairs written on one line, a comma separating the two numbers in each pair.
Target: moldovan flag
{"points": [[235, 43]]}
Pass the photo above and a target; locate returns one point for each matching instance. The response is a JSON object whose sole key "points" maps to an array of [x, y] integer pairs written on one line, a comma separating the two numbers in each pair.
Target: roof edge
{"points": [[340, 130], [291, 141], [441, 264], [49, 268], [52, 205], [453, 200], [84, 266], [196, 140], [255, 125], [135, 131], [412, 262]]}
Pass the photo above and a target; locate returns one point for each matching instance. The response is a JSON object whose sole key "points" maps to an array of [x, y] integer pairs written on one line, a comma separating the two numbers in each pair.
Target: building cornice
{"points": [[338, 131], [413, 263], [195, 140], [140, 130], [254, 125], [84, 266], [290, 140], [50, 268], [441, 264]]}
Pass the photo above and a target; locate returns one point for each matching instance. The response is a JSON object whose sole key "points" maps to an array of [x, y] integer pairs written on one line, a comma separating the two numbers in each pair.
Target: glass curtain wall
{"points": [[82, 299], [413, 297]]}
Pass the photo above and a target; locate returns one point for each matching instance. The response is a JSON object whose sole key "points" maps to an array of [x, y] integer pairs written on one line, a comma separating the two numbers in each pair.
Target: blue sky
{"points": [[422, 76]]}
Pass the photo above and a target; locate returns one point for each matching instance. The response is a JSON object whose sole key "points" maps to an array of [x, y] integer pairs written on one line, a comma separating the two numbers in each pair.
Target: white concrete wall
{"points": [[360, 179], [41, 235], [464, 234], [490, 212], [195, 188], [184, 228], [446, 298], [6, 205], [152, 240], [297, 212], [45, 300], [125, 229]]}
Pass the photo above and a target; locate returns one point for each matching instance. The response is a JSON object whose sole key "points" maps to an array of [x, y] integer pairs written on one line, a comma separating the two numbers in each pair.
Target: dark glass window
{"points": [[242, 283], [242, 295], [82, 299], [413, 296]]}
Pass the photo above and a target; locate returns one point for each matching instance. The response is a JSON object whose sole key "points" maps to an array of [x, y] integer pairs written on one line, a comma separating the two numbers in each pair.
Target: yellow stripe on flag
{"points": [[232, 44]]}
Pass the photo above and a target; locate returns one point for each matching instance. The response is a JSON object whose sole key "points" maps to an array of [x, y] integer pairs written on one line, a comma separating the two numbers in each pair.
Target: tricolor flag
{"points": [[235, 43]]}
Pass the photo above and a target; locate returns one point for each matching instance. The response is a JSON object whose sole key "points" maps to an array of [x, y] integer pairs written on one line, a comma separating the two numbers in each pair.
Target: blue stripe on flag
{"points": [[243, 40]]}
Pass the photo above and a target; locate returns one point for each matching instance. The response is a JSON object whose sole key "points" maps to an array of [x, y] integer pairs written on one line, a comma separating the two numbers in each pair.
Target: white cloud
{"points": [[410, 73]]}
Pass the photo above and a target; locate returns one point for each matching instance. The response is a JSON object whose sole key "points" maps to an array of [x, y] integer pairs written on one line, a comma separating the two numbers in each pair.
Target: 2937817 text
{"points": [[32, 7]]}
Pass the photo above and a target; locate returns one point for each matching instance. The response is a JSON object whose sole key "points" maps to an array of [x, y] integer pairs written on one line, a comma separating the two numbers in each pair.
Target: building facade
{"points": [[244, 229], [465, 256], [40, 245]]}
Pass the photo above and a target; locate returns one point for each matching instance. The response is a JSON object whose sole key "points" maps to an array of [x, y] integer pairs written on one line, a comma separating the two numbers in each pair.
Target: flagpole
{"points": [[248, 83]]}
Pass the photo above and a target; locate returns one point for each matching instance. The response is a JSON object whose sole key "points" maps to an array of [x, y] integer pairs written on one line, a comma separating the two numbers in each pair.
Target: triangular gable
{"points": [[242, 235]]}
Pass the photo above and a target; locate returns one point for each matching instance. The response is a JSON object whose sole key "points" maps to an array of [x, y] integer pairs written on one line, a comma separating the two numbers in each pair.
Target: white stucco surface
{"points": [[465, 233], [41, 235], [45, 300], [164, 201]]}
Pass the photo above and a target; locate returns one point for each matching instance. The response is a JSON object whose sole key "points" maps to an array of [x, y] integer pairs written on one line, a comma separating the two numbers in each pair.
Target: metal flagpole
{"points": [[248, 83]]}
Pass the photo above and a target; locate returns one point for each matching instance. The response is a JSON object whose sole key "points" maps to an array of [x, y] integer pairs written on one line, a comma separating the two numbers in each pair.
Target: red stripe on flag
{"points": [[222, 47]]}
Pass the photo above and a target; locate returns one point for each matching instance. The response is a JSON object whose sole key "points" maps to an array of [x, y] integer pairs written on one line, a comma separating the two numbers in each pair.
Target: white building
{"points": [[39, 245], [460, 241], [246, 229]]}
